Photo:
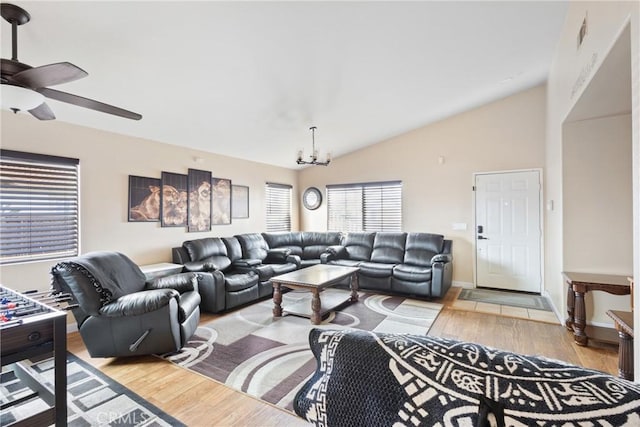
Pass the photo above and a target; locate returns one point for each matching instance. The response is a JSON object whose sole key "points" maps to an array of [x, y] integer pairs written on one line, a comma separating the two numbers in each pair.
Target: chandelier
{"points": [[314, 153]]}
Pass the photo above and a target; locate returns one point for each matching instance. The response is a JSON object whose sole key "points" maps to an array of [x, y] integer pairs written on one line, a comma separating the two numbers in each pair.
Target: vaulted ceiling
{"points": [[248, 79]]}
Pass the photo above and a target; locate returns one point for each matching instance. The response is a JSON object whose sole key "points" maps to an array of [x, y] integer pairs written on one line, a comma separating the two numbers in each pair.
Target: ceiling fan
{"points": [[28, 85]]}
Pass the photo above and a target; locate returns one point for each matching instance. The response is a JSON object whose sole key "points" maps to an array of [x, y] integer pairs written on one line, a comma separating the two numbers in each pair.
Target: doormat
{"points": [[269, 358], [93, 399], [535, 302]]}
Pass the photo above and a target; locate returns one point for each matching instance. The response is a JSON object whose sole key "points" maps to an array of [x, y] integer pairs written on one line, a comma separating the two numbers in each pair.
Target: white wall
{"points": [[504, 135], [106, 161]]}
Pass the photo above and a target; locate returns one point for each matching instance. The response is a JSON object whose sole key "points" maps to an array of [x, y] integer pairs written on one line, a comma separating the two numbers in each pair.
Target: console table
{"points": [[578, 285], [624, 326], [152, 271]]}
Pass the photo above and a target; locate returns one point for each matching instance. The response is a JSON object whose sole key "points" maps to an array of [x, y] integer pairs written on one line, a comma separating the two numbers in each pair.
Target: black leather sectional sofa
{"points": [[413, 264]]}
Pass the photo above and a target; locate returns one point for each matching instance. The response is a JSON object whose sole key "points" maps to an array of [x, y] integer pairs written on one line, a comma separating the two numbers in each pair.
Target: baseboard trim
{"points": [[459, 284], [72, 327]]}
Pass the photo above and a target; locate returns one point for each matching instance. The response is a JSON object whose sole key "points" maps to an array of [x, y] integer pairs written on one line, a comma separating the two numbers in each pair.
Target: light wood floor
{"points": [[198, 401]]}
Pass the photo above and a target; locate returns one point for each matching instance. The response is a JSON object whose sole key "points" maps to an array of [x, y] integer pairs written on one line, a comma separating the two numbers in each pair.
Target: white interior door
{"points": [[508, 231]]}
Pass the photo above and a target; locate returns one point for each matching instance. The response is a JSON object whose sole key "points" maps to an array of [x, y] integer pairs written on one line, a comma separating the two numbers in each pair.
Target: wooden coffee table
{"points": [[314, 279]]}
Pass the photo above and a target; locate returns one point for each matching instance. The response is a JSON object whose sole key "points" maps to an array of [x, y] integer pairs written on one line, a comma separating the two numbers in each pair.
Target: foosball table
{"points": [[33, 325]]}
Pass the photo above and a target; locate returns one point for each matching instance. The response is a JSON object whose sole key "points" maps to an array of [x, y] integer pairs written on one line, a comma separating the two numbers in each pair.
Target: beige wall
{"points": [[598, 204], [504, 135], [571, 71], [106, 161]]}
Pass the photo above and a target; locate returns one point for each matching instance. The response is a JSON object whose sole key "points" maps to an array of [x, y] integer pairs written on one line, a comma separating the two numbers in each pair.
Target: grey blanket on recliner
{"points": [[374, 379]]}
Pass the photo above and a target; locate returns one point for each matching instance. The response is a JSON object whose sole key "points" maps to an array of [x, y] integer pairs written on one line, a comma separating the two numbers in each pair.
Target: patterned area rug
{"points": [[269, 358], [512, 299], [93, 399]]}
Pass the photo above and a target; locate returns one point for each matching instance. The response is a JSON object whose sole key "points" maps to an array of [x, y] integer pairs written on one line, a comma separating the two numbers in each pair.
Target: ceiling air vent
{"points": [[583, 31]]}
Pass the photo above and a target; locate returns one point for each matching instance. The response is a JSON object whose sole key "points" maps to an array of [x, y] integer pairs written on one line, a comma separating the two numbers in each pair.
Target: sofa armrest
{"points": [[139, 303], [333, 252], [294, 259], [181, 282], [212, 291], [180, 255], [197, 266], [441, 258], [277, 256], [246, 263]]}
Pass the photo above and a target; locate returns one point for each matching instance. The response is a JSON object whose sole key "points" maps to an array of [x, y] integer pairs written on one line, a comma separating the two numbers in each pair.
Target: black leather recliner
{"points": [[427, 260], [119, 313]]}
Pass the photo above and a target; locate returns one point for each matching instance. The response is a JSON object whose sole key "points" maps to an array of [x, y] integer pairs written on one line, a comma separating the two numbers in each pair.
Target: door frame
{"points": [[543, 206]]}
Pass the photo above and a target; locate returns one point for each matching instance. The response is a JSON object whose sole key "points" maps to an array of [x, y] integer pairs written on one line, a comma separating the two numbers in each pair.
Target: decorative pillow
{"points": [[367, 378]]}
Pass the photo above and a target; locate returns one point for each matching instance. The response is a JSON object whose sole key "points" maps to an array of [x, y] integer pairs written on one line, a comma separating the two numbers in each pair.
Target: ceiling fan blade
{"points": [[49, 75], [88, 103], [43, 112]]}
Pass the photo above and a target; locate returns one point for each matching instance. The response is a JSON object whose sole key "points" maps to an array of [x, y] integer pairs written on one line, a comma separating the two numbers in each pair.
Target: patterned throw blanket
{"points": [[366, 379]]}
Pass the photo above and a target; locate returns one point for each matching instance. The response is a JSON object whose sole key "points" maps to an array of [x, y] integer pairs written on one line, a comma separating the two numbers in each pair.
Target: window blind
{"points": [[372, 206], [39, 202], [278, 207]]}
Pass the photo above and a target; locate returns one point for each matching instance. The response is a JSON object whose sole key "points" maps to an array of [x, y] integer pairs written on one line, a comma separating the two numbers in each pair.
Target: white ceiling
{"points": [[248, 79]]}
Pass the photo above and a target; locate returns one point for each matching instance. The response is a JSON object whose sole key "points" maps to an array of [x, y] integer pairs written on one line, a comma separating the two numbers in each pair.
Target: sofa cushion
{"points": [[313, 251], [200, 249], [412, 273], [234, 250], [358, 246], [421, 247], [315, 243], [253, 245], [282, 268], [236, 281], [285, 240], [388, 247], [376, 269]]}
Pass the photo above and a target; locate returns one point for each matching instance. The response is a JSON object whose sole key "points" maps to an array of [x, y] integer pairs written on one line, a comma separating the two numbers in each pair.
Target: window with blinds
{"points": [[372, 206], [278, 207], [39, 202]]}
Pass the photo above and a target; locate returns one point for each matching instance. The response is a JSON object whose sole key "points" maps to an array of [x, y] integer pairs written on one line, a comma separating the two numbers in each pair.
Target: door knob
{"points": [[482, 238]]}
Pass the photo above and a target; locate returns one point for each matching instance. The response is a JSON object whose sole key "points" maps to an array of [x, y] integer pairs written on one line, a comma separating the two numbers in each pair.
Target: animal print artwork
{"points": [[144, 199], [174, 199], [221, 201], [199, 207]]}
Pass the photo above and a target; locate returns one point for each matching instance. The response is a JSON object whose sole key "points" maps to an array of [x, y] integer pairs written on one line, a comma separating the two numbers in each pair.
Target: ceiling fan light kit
{"points": [[16, 98], [314, 153], [24, 88]]}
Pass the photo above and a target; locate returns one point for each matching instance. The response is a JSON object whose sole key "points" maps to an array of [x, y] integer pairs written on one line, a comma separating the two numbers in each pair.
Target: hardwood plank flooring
{"points": [[198, 401]]}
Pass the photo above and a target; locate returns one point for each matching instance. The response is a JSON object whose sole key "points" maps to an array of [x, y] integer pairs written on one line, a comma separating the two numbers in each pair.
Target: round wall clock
{"points": [[312, 198]]}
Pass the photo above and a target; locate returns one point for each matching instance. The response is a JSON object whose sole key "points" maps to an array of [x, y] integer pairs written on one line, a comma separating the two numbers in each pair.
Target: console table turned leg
{"points": [[580, 321], [625, 358], [277, 300], [570, 308]]}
